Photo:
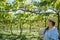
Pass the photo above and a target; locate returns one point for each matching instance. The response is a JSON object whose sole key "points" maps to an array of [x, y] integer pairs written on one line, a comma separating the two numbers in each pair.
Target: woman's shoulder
{"points": [[54, 29]]}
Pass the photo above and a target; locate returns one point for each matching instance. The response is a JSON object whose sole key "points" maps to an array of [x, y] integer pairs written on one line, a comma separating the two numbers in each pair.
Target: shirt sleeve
{"points": [[41, 31], [54, 34]]}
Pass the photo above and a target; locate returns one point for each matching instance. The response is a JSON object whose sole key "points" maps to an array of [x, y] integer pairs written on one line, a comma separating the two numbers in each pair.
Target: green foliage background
{"points": [[23, 25]]}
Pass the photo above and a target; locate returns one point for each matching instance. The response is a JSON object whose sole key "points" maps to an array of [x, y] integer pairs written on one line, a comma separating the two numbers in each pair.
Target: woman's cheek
{"points": [[48, 23]]}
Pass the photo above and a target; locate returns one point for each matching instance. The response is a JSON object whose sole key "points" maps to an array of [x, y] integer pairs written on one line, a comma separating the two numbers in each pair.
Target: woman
{"points": [[50, 32]]}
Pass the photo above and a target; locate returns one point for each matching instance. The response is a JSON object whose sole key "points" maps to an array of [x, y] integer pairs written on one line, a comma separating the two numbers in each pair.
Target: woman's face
{"points": [[49, 23]]}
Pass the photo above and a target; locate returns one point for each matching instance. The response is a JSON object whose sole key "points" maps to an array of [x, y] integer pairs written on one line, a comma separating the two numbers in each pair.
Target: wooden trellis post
{"points": [[58, 20]]}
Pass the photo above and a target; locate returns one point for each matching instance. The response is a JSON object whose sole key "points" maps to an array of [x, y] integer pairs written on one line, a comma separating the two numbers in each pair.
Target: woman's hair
{"points": [[53, 24]]}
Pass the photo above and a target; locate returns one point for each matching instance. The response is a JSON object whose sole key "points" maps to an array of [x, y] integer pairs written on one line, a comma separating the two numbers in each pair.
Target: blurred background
{"points": [[18, 18]]}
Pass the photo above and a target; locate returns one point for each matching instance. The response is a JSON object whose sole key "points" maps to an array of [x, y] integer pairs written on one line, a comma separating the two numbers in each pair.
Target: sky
{"points": [[10, 1], [28, 1]]}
